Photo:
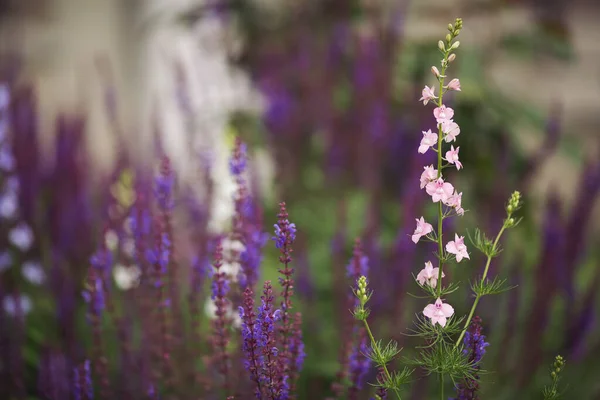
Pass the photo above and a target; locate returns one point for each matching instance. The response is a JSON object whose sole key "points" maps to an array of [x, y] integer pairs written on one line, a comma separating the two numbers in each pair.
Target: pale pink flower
{"points": [[429, 139], [454, 84], [455, 201], [443, 113], [429, 275], [430, 174], [439, 190], [435, 71], [438, 312], [458, 248], [427, 94], [423, 229], [451, 129], [452, 157]]}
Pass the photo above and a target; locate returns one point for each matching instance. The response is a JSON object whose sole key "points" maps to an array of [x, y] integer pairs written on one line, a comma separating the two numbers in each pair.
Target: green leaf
{"points": [[484, 288]]}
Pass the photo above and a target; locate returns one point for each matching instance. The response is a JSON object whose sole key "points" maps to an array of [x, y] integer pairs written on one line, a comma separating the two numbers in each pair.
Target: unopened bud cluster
{"points": [[559, 363], [514, 202], [362, 294]]}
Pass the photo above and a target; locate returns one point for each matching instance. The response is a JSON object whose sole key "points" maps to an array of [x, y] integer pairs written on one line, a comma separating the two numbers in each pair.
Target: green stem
{"points": [[439, 167], [376, 349], [478, 296], [442, 386]]}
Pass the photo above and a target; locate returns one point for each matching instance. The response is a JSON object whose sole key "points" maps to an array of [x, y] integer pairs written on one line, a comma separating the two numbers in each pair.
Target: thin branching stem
{"points": [[379, 356], [479, 295], [439, 154]]}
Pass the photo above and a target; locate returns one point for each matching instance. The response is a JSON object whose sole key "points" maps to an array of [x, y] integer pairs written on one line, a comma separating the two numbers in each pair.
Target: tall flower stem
{"points": [[439, 168], [388, 377], [478, 295]]}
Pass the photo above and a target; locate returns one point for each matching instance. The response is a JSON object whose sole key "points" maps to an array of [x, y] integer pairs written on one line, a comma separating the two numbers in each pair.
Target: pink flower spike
{"points": [[430, 174], [439, 190], [427, 94], [429, 139], [458, 248], [454, 85], [429, 275], [438, 312], [443, 113], [452, 157], [423, 229], [451, 129]]}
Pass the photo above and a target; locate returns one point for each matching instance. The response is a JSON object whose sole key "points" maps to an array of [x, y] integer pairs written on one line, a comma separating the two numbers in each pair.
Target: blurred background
{"points": [[324, 93]]}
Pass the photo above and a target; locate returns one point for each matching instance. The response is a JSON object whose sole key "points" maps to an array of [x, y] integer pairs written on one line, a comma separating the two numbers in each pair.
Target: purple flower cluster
{"points": [[221, 322], [474, 348], [239, 160], [474, 342], [94, 295], [283, 232], [82, 382], [246, 224], [272, 341], [164, 183]]}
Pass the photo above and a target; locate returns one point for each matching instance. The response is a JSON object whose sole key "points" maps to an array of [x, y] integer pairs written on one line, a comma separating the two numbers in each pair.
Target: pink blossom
{"points": [[438, 312], [455, 201], [443, 113], [423, 229], [439, 190], [458, 248], [429, 139], [429, 275], [452, 157], [428, 94], [428, 175], [451, 129], [454, 84]]}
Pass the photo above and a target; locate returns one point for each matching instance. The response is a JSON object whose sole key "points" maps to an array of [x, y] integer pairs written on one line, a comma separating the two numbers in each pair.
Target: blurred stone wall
{"points": [[166, 75], [150, 50]]}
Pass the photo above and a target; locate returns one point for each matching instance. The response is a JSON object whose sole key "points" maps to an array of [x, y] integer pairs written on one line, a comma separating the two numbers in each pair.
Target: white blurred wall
{"points": [[143, 42]]}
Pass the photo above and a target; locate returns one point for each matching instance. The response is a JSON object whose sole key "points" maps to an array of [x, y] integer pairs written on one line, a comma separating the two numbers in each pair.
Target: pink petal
{"points": [[451, 248], [448, 310], [429, 311]]}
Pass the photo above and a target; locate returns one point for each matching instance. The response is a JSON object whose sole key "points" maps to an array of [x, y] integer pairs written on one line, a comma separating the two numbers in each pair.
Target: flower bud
{"points": [[435, 71], [452, 57], [448, 38], [441, 46], [455, 45], [450, 27]]}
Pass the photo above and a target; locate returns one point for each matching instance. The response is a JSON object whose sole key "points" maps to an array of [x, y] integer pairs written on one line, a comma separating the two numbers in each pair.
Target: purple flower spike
{"points": [[475, 345], [239, 160], [270, 368], [251, 340], [164, 183], [220, 339]]}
